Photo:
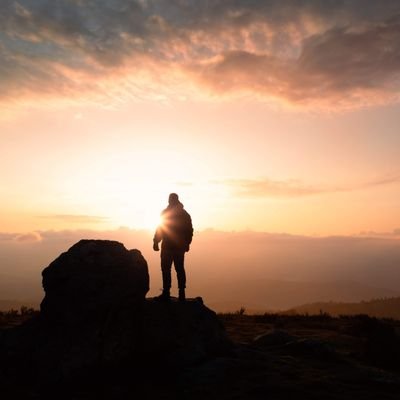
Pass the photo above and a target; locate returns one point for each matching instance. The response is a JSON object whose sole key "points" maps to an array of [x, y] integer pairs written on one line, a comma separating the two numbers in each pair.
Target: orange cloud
{"points": [[341, 67], [28, 237], [294, 188], [325, 54]]}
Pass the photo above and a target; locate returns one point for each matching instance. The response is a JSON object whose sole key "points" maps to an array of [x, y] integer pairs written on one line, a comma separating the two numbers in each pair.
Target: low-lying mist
{"points": [[258, 271]]}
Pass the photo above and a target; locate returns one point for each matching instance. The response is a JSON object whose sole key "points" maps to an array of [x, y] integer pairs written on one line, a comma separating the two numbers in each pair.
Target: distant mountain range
{"points": [[381, 308], [270, 295]]}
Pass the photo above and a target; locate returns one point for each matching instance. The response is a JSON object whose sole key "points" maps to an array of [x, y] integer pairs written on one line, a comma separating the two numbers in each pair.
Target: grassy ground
{"points": [[9, 319], [301, 356], [274, 357]]}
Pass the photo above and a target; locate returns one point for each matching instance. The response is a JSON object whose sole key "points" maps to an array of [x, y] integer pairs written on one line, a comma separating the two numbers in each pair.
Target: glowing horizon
{"points": [[274, 117]]}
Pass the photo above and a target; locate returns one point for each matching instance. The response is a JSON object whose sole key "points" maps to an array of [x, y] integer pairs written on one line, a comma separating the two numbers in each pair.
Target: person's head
{"points": [[173, 199]]}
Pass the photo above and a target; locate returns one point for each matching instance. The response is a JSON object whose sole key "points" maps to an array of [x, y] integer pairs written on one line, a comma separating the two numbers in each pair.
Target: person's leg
{"points": [[166, 265], [179, 258]]}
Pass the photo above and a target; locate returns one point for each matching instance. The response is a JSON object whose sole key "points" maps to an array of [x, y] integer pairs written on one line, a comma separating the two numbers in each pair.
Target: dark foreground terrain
{"points": [[274, 357]]}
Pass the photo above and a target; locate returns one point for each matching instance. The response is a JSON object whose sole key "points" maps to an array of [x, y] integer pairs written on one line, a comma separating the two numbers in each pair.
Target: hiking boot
{"points": [[164, 296], [182, 296]]}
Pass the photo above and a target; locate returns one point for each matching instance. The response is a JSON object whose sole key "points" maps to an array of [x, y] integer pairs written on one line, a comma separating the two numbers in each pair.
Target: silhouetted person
{"points": [[175, 233]]}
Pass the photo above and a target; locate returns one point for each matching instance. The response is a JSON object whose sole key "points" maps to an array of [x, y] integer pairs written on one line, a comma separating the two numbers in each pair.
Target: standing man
{"points": [[176, 232]]}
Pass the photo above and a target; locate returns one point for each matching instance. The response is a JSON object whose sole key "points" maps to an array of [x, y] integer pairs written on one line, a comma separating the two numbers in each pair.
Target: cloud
{"points": [[294, 188], [392, 234], [20, 237], [385, 180], [6, 236], [340, 65], [271, 188], [338, 54], [77, 218], [28, 237]]}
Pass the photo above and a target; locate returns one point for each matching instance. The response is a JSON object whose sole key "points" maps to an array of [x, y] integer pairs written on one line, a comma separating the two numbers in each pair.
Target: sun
{"points": [[139, 205], [150, 218]]}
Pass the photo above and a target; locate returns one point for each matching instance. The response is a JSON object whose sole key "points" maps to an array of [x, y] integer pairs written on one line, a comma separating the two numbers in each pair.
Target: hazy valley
{"points": [[257, 271]]}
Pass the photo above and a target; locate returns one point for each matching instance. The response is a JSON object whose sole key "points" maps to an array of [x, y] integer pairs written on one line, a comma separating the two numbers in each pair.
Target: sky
{"points": [[269, 116]]}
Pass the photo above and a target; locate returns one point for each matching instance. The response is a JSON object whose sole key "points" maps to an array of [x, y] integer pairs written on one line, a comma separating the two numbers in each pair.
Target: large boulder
{"points": [[94, 317], [91, 278]]}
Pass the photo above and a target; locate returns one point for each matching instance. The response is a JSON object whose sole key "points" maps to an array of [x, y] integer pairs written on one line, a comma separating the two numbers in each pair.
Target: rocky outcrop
{"points": [[92, 278], [94, 316], [182, 333]]}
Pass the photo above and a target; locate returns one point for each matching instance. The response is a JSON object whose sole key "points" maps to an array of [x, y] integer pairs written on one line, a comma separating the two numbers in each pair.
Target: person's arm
{"points": [[158, 236], [157, 239]]}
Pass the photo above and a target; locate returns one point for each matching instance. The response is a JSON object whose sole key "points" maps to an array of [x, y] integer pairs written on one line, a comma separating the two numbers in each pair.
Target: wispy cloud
{"points": [[392, 234], [21, 237], [295, 188], [28, 237], [341, 54], [76, 218], [6, 236], [270, 188]]}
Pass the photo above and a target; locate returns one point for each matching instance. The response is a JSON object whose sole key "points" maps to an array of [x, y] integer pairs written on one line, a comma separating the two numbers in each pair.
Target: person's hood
{"points": [[175, 205]]}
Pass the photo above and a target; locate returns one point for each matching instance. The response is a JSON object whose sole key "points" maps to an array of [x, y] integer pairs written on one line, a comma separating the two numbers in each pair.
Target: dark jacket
{"points": [[175, 230]]}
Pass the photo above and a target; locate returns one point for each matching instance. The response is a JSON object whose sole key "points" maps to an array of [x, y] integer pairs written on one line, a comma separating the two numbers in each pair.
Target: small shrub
{"points": [[241, 311]]}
